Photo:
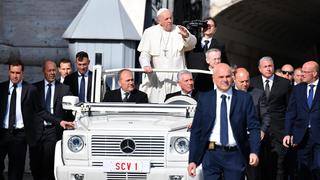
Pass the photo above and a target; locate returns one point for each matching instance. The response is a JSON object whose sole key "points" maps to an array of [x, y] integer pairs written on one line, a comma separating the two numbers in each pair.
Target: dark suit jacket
{"points": [[299, 114], [242, 118], [260, 103], [59, 91], [203, 82], [196, 59], [135, 96], [178, 93], [277, 103], [31, 107], [72, 81]]}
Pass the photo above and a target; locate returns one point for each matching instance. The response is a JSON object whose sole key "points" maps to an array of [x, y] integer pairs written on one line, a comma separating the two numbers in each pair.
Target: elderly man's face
{"points": [[309, 72], [186, 83], [126, 81], [165, 20], [50, 71], [266, 68], [213, 58]]}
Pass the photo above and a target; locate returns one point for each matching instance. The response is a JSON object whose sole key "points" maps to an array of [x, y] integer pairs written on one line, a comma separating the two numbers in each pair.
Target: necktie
{"points": [[82, 89], [205, 47], [223, 122], [126, 97], [310, 97], [48, 98], [267, 89], [12, 112]]}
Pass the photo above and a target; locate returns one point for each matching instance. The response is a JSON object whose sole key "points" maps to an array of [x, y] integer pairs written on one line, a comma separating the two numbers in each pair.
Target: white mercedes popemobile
{"points": [[124, 141]]}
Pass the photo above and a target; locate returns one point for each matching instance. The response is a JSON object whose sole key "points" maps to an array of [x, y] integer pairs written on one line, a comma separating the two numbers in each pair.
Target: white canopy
{"points": [[108, 20]]}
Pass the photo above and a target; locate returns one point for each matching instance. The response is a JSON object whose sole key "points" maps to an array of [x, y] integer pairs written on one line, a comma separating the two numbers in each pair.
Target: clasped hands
{"points": [[67, 124]]}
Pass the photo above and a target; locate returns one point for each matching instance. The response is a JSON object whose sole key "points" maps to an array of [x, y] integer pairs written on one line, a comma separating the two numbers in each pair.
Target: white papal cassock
{"points": [[163, 50]]}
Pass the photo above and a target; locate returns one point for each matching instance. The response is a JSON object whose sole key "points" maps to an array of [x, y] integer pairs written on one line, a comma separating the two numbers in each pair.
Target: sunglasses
{"points": [[287, 72]]}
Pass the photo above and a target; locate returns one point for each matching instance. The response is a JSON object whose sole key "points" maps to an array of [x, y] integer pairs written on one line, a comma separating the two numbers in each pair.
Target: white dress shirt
{"points": [[315, 83], [61, 80], [123, 94], [271, 79], [52, 93], [19, 119], [203, 43], [186, 94], [215, 135]]}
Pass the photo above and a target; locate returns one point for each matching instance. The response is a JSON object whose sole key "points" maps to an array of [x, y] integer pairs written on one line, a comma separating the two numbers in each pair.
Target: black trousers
{"points": [[15, 146], [42, 155], [273, 161], [254, 173]]}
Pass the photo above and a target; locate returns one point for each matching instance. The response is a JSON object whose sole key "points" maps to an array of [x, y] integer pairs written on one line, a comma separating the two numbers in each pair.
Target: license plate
{"points": [[126, 166]]}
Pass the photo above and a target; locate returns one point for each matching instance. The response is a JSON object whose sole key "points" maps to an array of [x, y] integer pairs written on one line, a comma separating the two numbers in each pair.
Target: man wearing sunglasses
{"points": [[287, 72]]}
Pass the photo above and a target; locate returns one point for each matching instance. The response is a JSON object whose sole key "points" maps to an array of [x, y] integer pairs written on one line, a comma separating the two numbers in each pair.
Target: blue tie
{"points": [[223, 121], [48, 98], [82, 89], [310, 97]]}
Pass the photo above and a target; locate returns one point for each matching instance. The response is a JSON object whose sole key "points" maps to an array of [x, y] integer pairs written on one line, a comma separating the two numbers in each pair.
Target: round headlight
{"points": [[181, 145], [75, 143]]}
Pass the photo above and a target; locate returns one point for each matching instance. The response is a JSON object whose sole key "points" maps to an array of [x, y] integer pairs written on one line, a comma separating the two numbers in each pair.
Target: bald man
{"points": [[51, 93], [287, 71], [219, 139], [242, 82], [302, 125]]}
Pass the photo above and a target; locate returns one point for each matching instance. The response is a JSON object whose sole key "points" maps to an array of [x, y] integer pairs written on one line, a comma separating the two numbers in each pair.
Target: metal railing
{"points": [[100, 76]]}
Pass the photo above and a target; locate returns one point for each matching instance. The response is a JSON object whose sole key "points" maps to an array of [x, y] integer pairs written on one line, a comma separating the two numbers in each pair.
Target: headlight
{"points": [[75, 143], [181, 145]]}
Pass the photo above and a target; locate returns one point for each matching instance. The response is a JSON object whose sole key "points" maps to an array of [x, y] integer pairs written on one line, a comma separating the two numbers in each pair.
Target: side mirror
{"points": [[69, 102]]}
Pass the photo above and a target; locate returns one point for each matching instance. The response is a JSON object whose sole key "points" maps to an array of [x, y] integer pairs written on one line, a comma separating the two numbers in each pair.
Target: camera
{"points": [[195, 24]]}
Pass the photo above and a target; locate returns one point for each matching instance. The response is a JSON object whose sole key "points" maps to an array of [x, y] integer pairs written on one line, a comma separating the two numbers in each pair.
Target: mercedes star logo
{"points": [[127, 146]]}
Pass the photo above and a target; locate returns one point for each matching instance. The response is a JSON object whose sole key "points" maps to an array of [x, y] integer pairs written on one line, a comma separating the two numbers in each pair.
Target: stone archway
{"points": [[289, 30]]}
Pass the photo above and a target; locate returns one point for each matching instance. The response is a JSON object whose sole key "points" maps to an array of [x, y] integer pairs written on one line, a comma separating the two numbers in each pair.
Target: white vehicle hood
{"points": [[132, 122]]}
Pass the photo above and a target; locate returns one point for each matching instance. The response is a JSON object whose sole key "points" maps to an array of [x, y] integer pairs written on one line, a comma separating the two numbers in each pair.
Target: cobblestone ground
{"points": [[27, 176]]}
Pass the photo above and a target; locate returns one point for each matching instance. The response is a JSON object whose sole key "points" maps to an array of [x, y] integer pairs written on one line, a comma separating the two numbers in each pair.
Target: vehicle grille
{"points": [[126, 176], [109, 145]]}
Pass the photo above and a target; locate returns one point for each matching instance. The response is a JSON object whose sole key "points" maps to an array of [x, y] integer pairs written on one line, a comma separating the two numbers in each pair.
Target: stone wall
{"points": [[31, 73], [31, 31]]}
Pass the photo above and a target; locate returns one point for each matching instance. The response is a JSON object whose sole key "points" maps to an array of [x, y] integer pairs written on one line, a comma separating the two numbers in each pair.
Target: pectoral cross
{"points": [[165, 52]]}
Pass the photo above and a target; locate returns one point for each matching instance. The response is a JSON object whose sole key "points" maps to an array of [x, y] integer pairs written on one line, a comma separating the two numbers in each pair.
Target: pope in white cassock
{"points": [[162, 46]]}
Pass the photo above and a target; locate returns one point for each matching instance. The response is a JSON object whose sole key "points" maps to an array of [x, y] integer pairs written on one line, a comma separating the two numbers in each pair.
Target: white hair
{"points": [[265, 58], [161, 10]]}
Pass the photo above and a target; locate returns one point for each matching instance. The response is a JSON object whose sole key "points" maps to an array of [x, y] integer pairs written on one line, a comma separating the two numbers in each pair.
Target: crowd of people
{"points": [[264, 127]]}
